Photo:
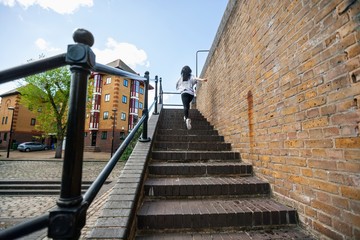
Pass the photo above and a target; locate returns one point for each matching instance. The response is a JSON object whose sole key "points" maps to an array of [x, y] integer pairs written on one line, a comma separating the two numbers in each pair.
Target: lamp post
{"points": [[197, 59], [11, 129], [113, 131]]}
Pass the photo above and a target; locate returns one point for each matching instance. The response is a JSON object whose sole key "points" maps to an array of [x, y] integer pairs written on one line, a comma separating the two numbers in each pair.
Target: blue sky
{"points": [[159, 36]]}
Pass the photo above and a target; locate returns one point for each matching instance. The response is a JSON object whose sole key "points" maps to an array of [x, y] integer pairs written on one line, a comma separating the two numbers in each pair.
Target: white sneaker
{"points": [[188, 123]]}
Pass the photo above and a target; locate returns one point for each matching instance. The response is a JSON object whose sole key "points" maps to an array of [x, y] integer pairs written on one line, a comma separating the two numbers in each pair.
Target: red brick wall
{"points": [[284, 89]]}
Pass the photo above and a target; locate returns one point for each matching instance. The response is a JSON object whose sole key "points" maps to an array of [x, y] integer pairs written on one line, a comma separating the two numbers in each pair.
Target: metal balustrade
{"points": [[66, 220]]}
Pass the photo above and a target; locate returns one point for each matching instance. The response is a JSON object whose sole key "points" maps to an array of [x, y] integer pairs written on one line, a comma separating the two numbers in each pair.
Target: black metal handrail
{"points": [[32, 68], [67, 219], [169, 104], [26, 227]]}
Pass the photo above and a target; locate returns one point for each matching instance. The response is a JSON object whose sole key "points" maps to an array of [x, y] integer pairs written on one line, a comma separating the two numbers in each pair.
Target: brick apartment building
{"points": [[113, 96], [22, 119], [116, 106]]}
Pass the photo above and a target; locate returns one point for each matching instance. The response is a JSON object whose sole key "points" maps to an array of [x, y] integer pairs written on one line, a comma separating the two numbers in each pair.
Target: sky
{"points": [[159, 36]]}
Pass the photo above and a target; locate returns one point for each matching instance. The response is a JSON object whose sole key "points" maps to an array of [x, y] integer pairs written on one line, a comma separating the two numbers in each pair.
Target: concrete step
{"points": [[202, 214], [189, 138], [202, 187], [178, 125], [173, 132], [180, 116], [195, 155], [285, 233], [91, 149], [199, 168], [24, 192], [31, 187], [193, 146], [179, 113]]}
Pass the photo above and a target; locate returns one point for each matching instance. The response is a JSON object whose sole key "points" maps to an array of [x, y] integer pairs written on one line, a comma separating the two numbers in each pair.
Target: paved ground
{"points": [[43, 166], [49, 155]]}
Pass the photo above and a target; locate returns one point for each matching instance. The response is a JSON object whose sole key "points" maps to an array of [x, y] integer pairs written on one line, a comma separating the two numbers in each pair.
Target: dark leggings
{"points": [[186, 99]]}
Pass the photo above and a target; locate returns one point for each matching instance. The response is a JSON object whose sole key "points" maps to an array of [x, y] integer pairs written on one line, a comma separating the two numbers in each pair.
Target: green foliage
{"points": [[46, 94], [125, 156]]}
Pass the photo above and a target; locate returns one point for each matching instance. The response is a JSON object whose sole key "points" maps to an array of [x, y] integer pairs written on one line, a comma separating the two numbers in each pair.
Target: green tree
{"points": [[47, 95], [129, 149]]}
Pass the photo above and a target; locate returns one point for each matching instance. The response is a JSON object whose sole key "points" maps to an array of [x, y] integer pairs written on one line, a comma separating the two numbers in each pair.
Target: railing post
{"points": [[11, 130], [69, 217], [161, 92], [144, 137], [156, 97]]}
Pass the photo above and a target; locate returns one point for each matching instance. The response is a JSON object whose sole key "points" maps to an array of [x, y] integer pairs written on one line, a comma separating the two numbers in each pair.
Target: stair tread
{"points": [[27, 186], [210, 206], [39, 182], [203, 181], [4, 192], [284, 233], [211, 163], [205, 187], [192, 151], [202, 214], [196, 168]]}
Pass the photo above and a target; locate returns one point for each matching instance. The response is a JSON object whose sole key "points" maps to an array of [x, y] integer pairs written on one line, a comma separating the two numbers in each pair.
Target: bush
{"points": [[125, 156]]}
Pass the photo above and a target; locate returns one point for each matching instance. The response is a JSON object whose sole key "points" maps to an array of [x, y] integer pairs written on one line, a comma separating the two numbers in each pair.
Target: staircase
{"points": [[198, 188], [91, 149], [34, 187]]}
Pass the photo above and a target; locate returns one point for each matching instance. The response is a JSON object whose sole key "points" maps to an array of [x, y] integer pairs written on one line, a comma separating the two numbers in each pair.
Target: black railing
{"points": [[66, 220], [168, 93]]}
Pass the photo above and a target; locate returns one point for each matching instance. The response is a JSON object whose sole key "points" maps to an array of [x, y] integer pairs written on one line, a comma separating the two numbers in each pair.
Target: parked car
{"points": [[31, 146]]}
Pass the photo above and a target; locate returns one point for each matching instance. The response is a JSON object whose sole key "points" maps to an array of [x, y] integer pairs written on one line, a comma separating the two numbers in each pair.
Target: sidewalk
{"points": [[50, 155], [42, 166]]}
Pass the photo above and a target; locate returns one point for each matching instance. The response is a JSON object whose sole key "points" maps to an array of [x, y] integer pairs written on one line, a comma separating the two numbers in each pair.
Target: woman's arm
{"points": [[201, 79]]}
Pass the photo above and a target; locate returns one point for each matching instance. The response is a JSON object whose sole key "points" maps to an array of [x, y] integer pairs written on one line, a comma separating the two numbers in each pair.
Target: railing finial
{"points": [[81, 35]]}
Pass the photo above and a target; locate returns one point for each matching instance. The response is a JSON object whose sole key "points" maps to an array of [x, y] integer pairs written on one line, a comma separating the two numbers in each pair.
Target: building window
{"points": [[126, 82], [103, 135], [33, 121], [141, 90], [85, 134], [140, 105], [123, 116], [107, 97], [3, 120], [137, 104], [6, 118], [5, 136], [124, 99], [106, 115], [108, 80]]}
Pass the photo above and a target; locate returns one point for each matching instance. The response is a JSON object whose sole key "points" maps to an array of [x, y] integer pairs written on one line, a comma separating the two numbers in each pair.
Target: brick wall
{"points": [[284, 89]]}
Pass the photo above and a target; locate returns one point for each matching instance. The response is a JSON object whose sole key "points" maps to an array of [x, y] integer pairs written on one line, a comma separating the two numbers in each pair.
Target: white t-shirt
{"points": [[186, 86]]}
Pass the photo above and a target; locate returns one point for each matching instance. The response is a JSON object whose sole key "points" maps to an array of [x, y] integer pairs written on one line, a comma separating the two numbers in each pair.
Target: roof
{"points": [[121, 65], [118, 63], [10, 93]]}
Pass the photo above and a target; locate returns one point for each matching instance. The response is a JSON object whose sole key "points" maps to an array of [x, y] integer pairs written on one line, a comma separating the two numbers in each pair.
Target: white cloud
{"points": [[127, 52], [9, 3], [59, 6], [43, 45]]}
